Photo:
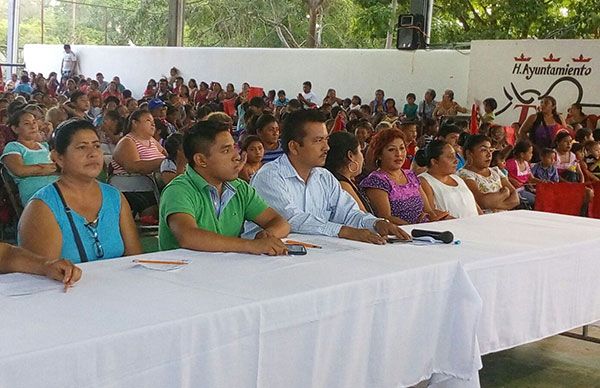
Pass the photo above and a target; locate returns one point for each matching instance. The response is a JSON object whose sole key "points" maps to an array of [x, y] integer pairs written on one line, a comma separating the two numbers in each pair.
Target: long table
{"points": [[347, 315]]}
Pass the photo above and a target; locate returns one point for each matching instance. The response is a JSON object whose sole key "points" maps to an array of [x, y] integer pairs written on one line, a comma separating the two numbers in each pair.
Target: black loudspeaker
{"points": [[410, 32]]}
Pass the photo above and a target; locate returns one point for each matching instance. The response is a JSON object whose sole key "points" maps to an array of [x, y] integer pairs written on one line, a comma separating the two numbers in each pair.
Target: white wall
{"points": [[348, 71], [496, 66]]}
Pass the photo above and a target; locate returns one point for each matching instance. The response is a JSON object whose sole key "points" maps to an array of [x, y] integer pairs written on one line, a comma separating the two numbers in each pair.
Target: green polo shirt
{"points": [[189, 193]]}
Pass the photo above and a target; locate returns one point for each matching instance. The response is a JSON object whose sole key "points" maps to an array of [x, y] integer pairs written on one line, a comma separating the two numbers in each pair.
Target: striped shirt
{"points": [[271, 155], [149, 151]]}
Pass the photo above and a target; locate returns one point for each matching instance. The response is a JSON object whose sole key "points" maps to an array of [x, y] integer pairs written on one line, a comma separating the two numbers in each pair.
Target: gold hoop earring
{"points": [[351, 163]]}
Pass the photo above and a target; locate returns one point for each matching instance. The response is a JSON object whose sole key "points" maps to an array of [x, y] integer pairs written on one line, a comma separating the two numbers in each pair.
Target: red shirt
{"points": [[411, 150]]}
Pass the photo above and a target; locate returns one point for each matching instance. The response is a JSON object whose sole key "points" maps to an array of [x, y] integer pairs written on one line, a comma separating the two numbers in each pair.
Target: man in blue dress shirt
{"points": [[309, 196]]}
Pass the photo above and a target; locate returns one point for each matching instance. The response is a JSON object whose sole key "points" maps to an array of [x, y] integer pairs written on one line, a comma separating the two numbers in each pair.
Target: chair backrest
{"points": [[560, 198], [12, 191], [595, 205], [135, 183]]}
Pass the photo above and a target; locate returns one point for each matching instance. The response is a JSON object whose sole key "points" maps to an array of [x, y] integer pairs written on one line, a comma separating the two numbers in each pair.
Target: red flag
{"points": [[474, 123]]}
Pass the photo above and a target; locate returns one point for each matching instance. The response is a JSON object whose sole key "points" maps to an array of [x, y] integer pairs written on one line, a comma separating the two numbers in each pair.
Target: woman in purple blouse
{"points": [[395, 193]]}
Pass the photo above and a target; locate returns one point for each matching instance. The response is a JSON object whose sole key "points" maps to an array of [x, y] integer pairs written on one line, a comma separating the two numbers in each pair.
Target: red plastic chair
{"points": [[595, 205], [254, 91], [229, 106], [560, 198]]}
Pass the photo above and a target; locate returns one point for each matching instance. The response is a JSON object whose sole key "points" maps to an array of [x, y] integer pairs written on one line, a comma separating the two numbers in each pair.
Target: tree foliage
{"points": [[296, 23]]}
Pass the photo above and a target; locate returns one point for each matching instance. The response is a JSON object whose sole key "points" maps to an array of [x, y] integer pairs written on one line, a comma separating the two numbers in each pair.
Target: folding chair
{"points": [[560, 198], [12, 191], [137, 183]]}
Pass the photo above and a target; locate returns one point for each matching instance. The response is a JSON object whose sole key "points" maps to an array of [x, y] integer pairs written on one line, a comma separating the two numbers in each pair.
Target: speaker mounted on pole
{"points": [[411, 35]]}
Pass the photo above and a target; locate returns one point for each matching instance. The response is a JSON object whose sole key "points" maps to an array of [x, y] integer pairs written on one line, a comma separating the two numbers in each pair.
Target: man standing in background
{"points": [[69, 63]]}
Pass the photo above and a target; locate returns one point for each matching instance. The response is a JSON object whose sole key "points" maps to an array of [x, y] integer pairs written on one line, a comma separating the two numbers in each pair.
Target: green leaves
{"points": [[285, 23]]}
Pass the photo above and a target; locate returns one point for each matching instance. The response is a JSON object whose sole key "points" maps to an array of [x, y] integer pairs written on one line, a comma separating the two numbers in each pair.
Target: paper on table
{"points": [[18, 284], [164, 267]]}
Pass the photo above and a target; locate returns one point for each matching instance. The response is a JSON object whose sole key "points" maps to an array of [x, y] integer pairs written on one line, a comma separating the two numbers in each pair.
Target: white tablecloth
{"points": [[538, 274], [347, 315]]}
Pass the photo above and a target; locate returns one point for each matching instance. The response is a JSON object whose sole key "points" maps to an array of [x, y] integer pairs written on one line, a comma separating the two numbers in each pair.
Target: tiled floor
{"points": [[555, 362]]}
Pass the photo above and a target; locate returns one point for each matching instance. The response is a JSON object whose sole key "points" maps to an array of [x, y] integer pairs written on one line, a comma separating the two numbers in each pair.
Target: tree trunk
{"points": [[390, 33], [312, 27]]}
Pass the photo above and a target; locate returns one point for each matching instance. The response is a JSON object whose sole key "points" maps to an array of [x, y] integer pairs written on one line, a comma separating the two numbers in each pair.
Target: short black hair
{"points": [[447, 129], [63, 134], [293, 126], [257, 102], [307, 83], [409, 95], [201, 137], [77, 95], [112, 99], [249, 140], [491, 102], [172, 145]]}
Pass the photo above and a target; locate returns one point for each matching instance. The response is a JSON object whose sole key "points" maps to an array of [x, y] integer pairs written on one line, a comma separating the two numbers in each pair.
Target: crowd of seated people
{"points": [[334, 167]]}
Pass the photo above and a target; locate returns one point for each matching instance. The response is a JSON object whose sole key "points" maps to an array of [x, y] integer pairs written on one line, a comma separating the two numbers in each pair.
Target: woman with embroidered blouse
{"points": [[77, 217], [395, 193]]}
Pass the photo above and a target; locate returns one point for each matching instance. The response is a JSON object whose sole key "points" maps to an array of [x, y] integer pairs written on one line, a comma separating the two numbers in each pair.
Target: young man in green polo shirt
{"points": [[205, 208]]}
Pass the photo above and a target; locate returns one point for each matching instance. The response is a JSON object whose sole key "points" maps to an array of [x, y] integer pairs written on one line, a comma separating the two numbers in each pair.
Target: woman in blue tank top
{"points": [[78, 218]]}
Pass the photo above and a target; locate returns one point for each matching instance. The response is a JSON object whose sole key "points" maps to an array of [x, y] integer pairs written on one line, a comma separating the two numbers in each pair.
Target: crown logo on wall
{"points": [[522, 58], [581, 59], [551, 58]]}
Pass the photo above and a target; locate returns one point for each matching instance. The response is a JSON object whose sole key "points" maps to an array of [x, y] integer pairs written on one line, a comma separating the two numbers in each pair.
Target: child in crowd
{"points": [[430, 132], [346, 104], [254, 150], [363, 133], [489, 106], [499, 160], [282, 101], [566, 161], [583, 134], [355, 103], [545, 170], [519, 172], [409, 129], [175, 162], [592, 160], [410, 108], [579, 150], [390, 108], [498, 137]]}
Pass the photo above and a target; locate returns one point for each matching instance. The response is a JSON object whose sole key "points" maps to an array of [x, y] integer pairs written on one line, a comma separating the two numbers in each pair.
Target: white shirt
{"points": [[310, 97], [456, 200], [69, 61], [318, 206]]}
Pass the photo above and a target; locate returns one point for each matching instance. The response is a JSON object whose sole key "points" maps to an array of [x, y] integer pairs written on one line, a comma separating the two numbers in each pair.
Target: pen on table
{"points": [[176, 262], [305, 245]]}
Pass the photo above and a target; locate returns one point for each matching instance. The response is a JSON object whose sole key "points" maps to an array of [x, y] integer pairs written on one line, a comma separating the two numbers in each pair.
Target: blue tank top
{"points": [[108, 226]]}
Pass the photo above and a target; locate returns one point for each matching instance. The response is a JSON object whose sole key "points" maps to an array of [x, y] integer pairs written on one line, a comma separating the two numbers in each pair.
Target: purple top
{"points": [[405, 200]]}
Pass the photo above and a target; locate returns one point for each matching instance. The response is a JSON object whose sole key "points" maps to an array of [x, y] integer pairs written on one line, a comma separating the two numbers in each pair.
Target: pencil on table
{"points": [[305, 245], [176, 262]]}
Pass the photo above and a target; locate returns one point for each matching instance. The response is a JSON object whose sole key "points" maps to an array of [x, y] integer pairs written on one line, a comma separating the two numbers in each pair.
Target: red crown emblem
{"points": [[551, 58], [522, 58], [581, 59]]}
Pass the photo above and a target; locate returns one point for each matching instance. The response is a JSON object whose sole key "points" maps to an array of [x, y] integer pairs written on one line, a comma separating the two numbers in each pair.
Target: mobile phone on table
{"points": [[296, 249]]}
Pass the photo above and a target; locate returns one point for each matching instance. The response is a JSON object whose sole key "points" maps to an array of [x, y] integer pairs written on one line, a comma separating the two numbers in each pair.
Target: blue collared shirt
{"points": [[318, 206], [222, 201]]}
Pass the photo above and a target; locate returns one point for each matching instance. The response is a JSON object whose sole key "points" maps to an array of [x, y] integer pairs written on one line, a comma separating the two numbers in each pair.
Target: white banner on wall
{"points": [[518, 73]]}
